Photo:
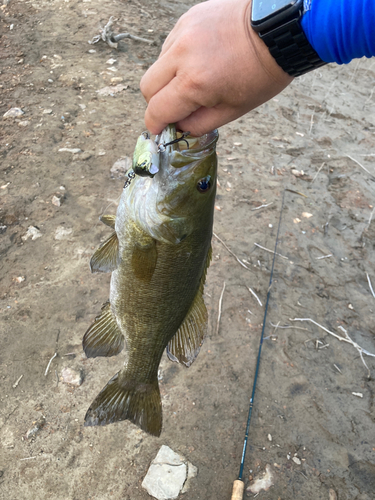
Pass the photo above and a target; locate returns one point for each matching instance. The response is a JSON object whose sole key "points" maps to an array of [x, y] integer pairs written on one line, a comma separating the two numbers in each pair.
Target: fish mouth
{"points": [[171, 140]]}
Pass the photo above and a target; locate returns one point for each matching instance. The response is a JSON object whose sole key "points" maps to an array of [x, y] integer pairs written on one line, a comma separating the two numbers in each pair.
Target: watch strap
{"points": [[291, 49]]}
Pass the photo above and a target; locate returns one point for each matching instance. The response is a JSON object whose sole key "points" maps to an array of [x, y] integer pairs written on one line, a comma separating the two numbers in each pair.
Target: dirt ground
{"points": [[314, 396]]}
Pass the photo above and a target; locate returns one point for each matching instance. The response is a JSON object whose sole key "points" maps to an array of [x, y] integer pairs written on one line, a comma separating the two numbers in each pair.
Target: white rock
{"points": [[7, 438], [111, 61], [120, 167], [23, 123], [47, 111], [72, 377], [115, 89], [13, 113], [33, 233], [92, 51], [269, 437], [167, 474], [71, 150], [296, 460], [192, 472], [262, 483], [63, 233], [56, 201]]}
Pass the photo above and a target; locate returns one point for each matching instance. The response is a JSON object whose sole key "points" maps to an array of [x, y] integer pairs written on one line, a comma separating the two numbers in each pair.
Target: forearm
{"points": [[340, 30]]}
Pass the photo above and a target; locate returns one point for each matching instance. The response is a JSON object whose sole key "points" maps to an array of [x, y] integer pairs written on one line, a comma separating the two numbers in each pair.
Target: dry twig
{"points": [[232, 253], [271, 251], [342, 339], [107, 35], [360, 164], [320, 168], [49, 364], [369, 284], [219, 313], [262, 206], [255, 295]]}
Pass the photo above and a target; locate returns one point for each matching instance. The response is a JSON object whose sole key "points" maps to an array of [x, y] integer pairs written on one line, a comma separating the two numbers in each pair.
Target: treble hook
{"points": [[162, 147]]}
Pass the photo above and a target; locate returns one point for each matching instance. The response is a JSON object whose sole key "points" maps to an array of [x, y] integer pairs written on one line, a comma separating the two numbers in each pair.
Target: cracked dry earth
{"points": [[314, 398]]}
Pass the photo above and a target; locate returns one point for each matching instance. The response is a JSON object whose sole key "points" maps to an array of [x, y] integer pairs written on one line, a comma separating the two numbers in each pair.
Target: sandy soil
{"points": [[305, 397]]}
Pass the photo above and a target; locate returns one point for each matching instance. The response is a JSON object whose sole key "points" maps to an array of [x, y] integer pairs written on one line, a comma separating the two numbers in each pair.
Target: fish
{"points": [[158, 255]]}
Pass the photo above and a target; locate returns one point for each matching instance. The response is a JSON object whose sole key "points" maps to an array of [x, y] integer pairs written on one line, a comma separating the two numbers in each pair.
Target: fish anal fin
{"points": [[104, 337], [126, 399], [106, 258], [108, 220], [184, 347]]}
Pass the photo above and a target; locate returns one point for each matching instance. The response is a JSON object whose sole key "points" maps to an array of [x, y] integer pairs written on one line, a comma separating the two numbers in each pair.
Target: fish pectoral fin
{"points": [[108, 220], [184, 347], [106, 258], [144, 260], [104, 337], [126, 399]]}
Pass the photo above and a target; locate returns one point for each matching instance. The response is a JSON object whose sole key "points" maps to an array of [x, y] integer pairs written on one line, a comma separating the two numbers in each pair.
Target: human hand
{"points": [[213, 68]]}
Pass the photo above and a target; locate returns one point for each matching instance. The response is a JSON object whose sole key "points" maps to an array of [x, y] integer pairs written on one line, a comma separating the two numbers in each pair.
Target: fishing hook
{"points": [[161, 147]]}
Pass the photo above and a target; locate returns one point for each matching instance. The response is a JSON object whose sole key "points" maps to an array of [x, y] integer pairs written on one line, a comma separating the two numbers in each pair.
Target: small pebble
{"points": [[37, 425], [92, 51], [47, 111], [63, 233], [13, 113], [33, 233], [23, 123], [71, 150], [50, 80], [72, 377], [56, 201], [296, 460]]}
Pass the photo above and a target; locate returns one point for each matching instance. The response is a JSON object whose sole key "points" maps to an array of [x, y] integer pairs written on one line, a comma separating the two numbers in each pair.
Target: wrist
{"points": [[262, 53], [280, 28]]}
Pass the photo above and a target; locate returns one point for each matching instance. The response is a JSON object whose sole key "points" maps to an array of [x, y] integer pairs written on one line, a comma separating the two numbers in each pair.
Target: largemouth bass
{"points": [[158, 256]]}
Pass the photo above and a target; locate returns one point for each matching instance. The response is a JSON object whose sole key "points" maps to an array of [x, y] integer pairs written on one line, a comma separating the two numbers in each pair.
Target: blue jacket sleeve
{"points": [[340, 30]]}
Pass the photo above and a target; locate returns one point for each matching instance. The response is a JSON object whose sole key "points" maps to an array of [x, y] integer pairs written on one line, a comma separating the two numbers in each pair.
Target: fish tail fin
{"points": [[126, 399]]}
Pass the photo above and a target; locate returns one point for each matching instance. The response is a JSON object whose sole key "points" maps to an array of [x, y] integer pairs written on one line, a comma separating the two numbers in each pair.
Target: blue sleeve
{"points": [[340, 30]]}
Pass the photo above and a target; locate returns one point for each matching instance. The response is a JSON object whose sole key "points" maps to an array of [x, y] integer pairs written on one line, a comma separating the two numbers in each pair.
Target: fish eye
{"points": [[203, 185]]}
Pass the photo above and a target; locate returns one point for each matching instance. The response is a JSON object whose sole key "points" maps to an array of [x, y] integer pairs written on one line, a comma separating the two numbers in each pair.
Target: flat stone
{"points": [[13, 113], [62, 233], [56, 200], [166, 476], [112, 90], [47, 111], [70, 150], [83, 156], [23, 123], [72, 377], [33, 233]]}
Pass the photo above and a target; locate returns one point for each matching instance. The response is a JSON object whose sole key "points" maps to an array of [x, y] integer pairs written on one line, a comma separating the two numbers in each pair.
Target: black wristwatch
{"points": [[278, 23]]}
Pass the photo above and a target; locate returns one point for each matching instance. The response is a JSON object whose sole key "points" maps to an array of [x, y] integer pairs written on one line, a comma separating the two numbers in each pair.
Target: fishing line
{"points": [[238, 485]]}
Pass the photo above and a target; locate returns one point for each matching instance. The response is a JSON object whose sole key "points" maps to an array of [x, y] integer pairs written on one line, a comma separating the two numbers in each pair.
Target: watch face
{"points": [[262, 9]]}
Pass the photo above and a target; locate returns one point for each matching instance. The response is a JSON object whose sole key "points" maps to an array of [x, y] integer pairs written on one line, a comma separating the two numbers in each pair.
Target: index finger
{"points": [[169, 105]]}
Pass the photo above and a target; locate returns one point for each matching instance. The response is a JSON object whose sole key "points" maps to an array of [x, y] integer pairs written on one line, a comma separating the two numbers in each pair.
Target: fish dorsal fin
{"points": [[108, 220], [184, 347], [106, 258], [104, 337]]}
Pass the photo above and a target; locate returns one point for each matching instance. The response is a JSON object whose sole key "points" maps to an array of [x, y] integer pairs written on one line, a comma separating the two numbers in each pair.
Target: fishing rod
{"points": [[239, 485]]}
